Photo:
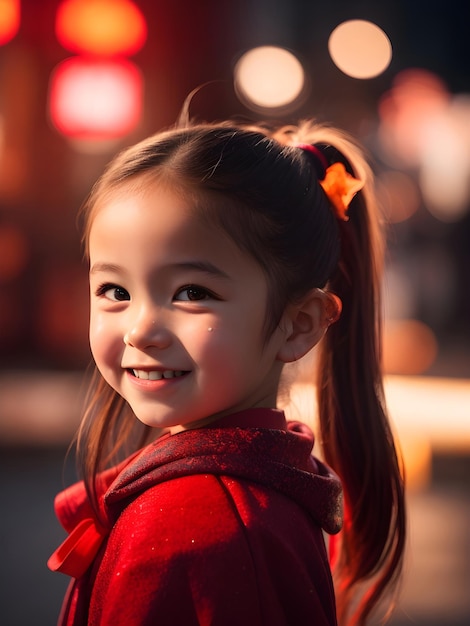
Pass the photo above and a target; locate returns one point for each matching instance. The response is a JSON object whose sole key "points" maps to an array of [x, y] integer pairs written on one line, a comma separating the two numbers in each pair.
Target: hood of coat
{"points": [[278, 458], [256, 445]]}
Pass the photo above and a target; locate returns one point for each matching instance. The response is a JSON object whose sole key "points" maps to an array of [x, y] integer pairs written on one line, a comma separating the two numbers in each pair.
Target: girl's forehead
{"points": [[152, 183], [136, 190], [158, 222], [153, 209]]}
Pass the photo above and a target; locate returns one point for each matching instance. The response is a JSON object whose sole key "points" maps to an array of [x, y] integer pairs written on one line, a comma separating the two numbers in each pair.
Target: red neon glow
{"points": [[9, 19], [102, 27], [95, 100]]}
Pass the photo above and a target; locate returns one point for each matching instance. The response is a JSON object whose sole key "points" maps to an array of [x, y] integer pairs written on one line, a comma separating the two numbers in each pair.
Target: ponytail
{"points": [[355, 432]]}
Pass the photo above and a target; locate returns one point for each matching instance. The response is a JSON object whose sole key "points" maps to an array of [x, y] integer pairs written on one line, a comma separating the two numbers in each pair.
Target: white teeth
{"points": [[157, 375]]}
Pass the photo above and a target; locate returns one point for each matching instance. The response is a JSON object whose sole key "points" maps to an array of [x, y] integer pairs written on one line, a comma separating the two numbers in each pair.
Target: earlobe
{"points": [[306, 322], [333, 307]]}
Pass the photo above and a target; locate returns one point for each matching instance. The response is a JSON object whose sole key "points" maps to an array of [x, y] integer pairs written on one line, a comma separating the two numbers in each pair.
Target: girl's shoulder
{"points": [[172, 545], [182, 513], [218, 543], [193, 513]]}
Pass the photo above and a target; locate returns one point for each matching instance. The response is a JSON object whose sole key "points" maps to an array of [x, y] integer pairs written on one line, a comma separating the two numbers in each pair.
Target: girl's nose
{"points": [[147, 332]]}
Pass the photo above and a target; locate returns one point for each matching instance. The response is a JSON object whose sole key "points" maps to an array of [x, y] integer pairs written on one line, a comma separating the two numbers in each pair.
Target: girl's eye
{"points": [[114, 293], [193, 293]]}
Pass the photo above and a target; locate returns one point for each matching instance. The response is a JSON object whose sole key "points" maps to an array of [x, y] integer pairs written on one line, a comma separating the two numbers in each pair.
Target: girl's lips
{"points": [[156, 374], [155, 380]]}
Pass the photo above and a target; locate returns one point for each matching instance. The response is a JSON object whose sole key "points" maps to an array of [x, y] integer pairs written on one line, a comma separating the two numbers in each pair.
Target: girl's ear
{"points": [[305, 323]]}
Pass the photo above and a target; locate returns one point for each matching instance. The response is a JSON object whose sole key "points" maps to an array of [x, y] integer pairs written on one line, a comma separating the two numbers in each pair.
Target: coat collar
{"points": [[256, 445]]}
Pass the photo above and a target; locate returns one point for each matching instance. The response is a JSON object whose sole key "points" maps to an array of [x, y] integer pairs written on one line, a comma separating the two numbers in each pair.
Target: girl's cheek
{"points": [[212, 347], [95, 331], [105, 341]]}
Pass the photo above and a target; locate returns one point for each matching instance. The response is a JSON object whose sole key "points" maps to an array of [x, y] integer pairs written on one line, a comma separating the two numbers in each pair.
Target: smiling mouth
{"points": [[157, 374]]}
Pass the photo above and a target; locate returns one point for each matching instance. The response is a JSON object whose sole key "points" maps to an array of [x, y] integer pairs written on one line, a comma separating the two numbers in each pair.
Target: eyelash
{"points": [[207, 294], [102, 289], [197, 288]]}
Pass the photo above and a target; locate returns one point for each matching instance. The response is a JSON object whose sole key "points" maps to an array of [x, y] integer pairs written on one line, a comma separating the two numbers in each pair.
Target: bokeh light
{"points": [[445, 163], [398, 194], [9, 20], [95, 100], [407, 113], [436, 409], [424, 128], [101, 27], [269, 77], [360, 49], [410, 347]]}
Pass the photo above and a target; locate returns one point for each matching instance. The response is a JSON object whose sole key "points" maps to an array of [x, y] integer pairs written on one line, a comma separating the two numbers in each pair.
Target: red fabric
{"points": [[73, 556], [216, 526]]}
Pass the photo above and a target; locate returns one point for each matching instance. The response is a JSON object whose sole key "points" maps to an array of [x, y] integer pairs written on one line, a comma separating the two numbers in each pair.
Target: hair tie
{"points": [[337, 183]]}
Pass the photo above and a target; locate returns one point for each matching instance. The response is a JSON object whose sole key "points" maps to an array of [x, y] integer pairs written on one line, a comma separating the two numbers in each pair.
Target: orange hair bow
{"points": [[340, 187], [337, 183]]}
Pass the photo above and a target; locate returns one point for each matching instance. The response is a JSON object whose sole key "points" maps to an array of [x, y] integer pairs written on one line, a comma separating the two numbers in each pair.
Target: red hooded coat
{"points": [[217, 526]]}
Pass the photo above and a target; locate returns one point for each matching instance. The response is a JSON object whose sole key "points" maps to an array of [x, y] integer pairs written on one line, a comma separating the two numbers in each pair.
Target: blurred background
{"points": [[80, 79]]}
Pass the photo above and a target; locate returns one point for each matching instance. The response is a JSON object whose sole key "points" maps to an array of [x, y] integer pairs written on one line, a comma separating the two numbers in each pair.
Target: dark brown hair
{"points": [[274, 208]]}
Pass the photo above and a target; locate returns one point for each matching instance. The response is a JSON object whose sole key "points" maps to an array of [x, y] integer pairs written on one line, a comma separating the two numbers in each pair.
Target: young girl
{"points": [[218, 253]]}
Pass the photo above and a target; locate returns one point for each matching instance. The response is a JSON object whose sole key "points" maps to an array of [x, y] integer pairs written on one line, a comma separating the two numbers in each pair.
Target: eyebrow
{"points": [[205, 267], [105, 267]]}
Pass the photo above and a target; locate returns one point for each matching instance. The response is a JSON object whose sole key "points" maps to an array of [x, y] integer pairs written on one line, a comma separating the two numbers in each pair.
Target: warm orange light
{"points": [[95, 100], [360, 49], [399, 195], [407, 112], [409, 347], [9, 19], [102, 27], [269, 77]]}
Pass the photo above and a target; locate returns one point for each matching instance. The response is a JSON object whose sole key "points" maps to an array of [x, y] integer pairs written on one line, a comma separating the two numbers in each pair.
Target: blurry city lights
{"points": [[410, 347], [9, 20], [423, 127], [269, 77], [398, 194], [48, 414], [101, 27], [360, 49], [14, 252], [416, 405], [445, 163], [417, 457], [437, 409], [95, 100], [407, 112]]}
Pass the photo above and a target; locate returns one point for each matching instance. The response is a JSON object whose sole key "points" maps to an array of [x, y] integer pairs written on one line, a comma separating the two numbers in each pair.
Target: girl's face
{"points": [[177, 313]]}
